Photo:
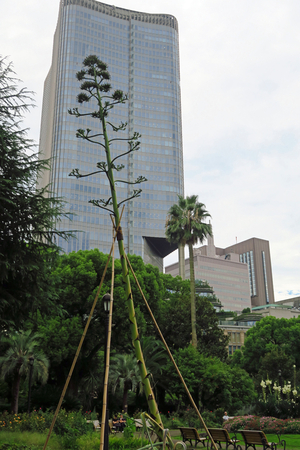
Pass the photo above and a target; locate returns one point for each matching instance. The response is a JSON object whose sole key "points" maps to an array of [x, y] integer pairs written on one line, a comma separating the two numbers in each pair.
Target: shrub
{"points": [[71, 423], [47, 397], [211, 420], [270, 425], [14, 447]]}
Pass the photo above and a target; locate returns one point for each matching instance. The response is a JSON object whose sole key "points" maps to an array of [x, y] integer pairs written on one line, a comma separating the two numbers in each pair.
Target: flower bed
{"points": [[39, 421], [267, 424]]}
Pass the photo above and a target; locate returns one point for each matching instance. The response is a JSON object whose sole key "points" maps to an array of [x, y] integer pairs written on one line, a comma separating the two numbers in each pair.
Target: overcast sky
{"points": [[240, 86]]}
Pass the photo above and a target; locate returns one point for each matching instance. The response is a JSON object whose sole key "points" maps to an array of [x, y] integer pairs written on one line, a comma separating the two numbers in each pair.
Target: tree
{"points": [[16, 363], [212, 383], [28, 215], [175, 325], [268, 336], [124, 375], [155, 355], [185, 226]]}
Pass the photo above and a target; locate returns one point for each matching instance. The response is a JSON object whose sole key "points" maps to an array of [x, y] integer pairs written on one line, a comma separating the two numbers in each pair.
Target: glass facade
{"points": [[142, 54], [265, 276]]}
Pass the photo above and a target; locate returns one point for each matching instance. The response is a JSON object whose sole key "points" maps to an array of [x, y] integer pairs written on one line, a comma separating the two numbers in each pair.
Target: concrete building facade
{"points": [[256, 254], [227, 276], [142, 53]]}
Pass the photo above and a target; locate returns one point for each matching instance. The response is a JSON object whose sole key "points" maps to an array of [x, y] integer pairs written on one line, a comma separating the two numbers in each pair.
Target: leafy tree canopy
{"points": [[185, 225], [28, 215], [175, 324], [212, 383], [76, 278], [271, 335], [16, 364]]}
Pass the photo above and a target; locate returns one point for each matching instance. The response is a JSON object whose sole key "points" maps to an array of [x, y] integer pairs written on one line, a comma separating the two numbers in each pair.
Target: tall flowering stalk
{"points": [[295, 381], [287, 390], [263, 385], [95, 87], [277, 390]]}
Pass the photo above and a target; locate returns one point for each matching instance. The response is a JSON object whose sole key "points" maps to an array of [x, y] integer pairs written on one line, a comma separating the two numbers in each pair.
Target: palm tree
{"points": [[124, 373], [16, 363], [185, 226], [155, 355]]}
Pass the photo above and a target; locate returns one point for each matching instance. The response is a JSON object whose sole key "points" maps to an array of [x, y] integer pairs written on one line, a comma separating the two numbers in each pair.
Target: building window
{"points": [[265, 276]]}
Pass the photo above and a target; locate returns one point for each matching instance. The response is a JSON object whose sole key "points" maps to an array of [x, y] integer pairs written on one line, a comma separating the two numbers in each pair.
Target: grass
{"points": [[91, 441], [292, 441], [31, 439]]}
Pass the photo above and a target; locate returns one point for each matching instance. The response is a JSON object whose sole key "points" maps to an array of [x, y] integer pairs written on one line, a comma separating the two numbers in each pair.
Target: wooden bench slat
{"points": [[189, 434], [256, 437], [221, 435]]}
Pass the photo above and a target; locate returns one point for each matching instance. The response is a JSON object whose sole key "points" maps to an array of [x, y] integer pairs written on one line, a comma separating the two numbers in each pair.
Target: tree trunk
{"points": [[15, 393], [125, 398], [193, 303], [181, 261]]}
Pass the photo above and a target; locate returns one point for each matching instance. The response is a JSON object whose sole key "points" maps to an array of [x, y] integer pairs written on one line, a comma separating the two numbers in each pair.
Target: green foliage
{"points": [[16, 361], [185, 225], [68, 423], [268, 336], [28, 214], [175, 324], [212, 383], [272, 362], [282, 409], [76, 277], [87, 441], [47, 397], [124, 374], [14, 447], [130, 428], [185, 222]]}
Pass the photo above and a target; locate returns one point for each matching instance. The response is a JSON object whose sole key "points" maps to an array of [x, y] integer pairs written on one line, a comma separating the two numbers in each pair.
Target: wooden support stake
{"points": [[170, 354]]}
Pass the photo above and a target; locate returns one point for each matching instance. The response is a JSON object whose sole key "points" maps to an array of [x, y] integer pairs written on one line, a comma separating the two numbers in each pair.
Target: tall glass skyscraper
{"points": [[142, 53]]}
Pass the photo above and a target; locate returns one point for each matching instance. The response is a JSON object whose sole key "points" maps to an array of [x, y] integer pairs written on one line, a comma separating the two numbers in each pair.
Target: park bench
{"points": [[139, 424], [221, 435], [256, 437], [112, 429], [96, 425], [189, 434]]}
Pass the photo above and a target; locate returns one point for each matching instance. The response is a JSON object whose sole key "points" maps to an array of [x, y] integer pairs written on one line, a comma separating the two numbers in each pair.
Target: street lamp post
{"points": [[106, 303], [31, 361], [280, 379]]}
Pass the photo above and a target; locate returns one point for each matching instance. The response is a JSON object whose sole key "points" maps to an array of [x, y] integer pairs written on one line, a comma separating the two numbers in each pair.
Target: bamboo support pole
{"points": [[80, 343], [170, 354], [104, 405]]}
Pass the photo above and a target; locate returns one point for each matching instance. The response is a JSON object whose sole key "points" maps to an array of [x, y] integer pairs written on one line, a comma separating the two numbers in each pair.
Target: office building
{"points": [[142, 53], [236, 273], [227, 276], [256, 254]]}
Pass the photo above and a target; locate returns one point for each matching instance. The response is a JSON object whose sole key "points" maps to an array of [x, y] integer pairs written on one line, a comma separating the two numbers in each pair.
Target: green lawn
{"points": [[292, 441], [35, 440], [92, 441]]}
